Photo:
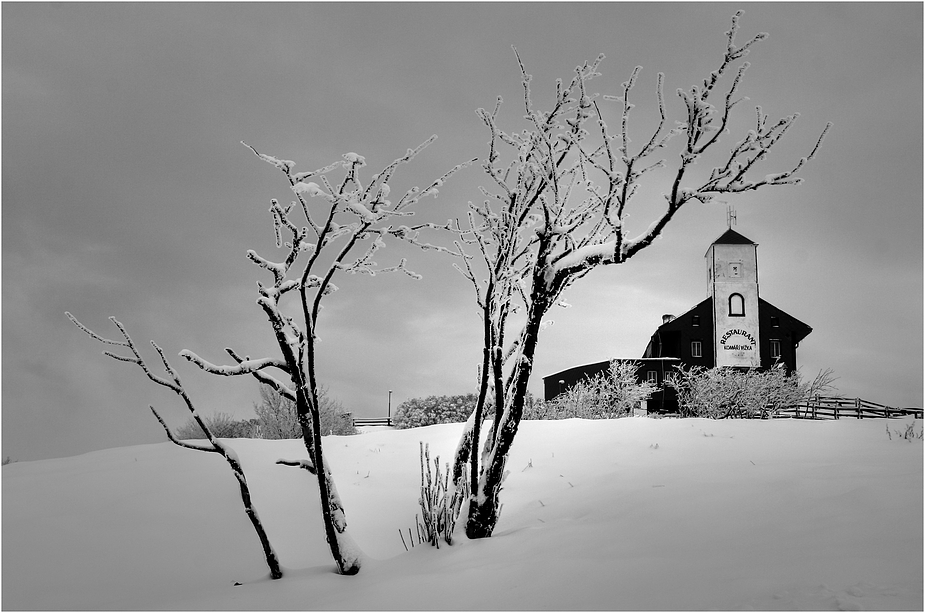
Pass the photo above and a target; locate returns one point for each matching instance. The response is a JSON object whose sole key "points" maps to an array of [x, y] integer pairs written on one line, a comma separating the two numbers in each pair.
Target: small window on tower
{"points": [[696, 349], [695, 320], [775, 322], [736, 305], [735, 269]]}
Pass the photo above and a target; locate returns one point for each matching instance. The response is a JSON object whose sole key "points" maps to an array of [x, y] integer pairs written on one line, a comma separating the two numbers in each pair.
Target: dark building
{"points": [[732, 327]]}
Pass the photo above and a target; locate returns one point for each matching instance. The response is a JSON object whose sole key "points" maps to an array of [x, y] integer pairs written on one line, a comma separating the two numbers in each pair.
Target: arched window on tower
{"points": [[736, 305]]}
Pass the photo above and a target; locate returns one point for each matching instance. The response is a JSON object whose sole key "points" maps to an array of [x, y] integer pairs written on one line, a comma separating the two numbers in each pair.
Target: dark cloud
{"points": [[127, 192]]}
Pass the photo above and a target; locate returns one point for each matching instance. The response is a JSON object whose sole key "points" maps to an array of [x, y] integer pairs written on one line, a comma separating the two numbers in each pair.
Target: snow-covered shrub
{"points": [[606, 395], [439, 506], [432, 410], [723, 392]]}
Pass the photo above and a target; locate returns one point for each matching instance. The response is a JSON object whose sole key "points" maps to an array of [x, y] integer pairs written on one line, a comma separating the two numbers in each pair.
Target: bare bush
{"points": [[606, 395], [725, 392], [222, 425]]}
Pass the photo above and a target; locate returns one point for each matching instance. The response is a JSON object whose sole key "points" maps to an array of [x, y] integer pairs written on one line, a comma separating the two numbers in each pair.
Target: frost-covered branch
{"points": [[173, 439], [244, 367], [214, 445], [264, 378], [304, 464]]}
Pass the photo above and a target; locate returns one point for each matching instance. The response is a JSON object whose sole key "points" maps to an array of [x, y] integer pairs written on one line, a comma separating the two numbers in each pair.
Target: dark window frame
{"points": [[775, 343], [740, 302]]}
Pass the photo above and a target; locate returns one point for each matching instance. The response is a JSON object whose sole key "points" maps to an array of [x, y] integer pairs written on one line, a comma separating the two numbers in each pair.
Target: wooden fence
{"points": [[835, 407], [372, 421], [819, 407]]}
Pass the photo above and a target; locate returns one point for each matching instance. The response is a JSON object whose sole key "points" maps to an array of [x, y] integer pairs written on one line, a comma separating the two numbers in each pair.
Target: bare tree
{"points": [[557, 208], [342, 234], [277, 417], [214, 445]]}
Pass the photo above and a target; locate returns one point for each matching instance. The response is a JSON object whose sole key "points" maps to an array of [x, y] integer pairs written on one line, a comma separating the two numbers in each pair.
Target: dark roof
{"points": [[731, 237], [677, 321], [596, 367], [800, 329]]}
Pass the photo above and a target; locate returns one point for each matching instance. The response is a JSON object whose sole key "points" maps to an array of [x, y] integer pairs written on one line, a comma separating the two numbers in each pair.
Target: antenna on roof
{"points": [[730, 216]]}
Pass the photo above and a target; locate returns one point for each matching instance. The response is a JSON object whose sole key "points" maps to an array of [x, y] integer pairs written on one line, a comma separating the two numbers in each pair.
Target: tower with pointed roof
{"points": [[732, 284]]}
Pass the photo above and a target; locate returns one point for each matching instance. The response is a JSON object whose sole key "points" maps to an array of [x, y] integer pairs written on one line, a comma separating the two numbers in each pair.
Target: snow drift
{"points": [[625, 514]]}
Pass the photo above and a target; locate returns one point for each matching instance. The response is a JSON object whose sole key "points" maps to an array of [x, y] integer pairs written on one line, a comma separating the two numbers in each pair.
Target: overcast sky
{"points": [[126, 191]]}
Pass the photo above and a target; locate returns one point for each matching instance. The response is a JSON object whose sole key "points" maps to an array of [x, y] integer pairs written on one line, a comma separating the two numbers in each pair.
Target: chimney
{"points": [[666, 318]]}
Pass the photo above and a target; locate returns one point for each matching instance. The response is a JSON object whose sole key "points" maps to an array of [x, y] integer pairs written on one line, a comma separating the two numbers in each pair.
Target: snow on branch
{"points": [[281, 388], [278, 269], [214, 445], [180, 443], [244, 367], [283, 165], [304, 464], [175, 385], [402, 268]]}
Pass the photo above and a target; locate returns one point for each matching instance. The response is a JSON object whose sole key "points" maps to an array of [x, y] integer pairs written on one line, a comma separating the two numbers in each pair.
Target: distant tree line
{"points": [[276, 419]]}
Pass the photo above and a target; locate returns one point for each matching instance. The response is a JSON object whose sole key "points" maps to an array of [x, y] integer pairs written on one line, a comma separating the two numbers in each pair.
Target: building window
{"points": [[775, 348], [652, 376], [695, 320], [775, 322], [736, 305], [696, 349]]}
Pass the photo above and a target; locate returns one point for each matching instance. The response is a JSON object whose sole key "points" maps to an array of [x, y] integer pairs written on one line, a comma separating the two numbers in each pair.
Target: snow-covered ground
{"points": [[633, 514]]}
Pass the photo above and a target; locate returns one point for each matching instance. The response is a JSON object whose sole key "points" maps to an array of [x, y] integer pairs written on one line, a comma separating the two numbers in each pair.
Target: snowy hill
{"points": [[626, 514]]}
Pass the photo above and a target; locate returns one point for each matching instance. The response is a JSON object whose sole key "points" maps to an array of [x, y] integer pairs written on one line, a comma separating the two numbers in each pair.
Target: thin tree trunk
{"points": [[268, 552], [483, 394], [331, 509], [484, 506]]}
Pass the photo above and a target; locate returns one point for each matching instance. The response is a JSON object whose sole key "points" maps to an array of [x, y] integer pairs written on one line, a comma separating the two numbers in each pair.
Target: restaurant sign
{"points": [[737, 340]]}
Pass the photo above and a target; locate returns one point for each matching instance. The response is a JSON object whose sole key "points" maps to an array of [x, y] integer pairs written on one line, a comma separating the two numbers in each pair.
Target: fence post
{"points": [[857, 403]]}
